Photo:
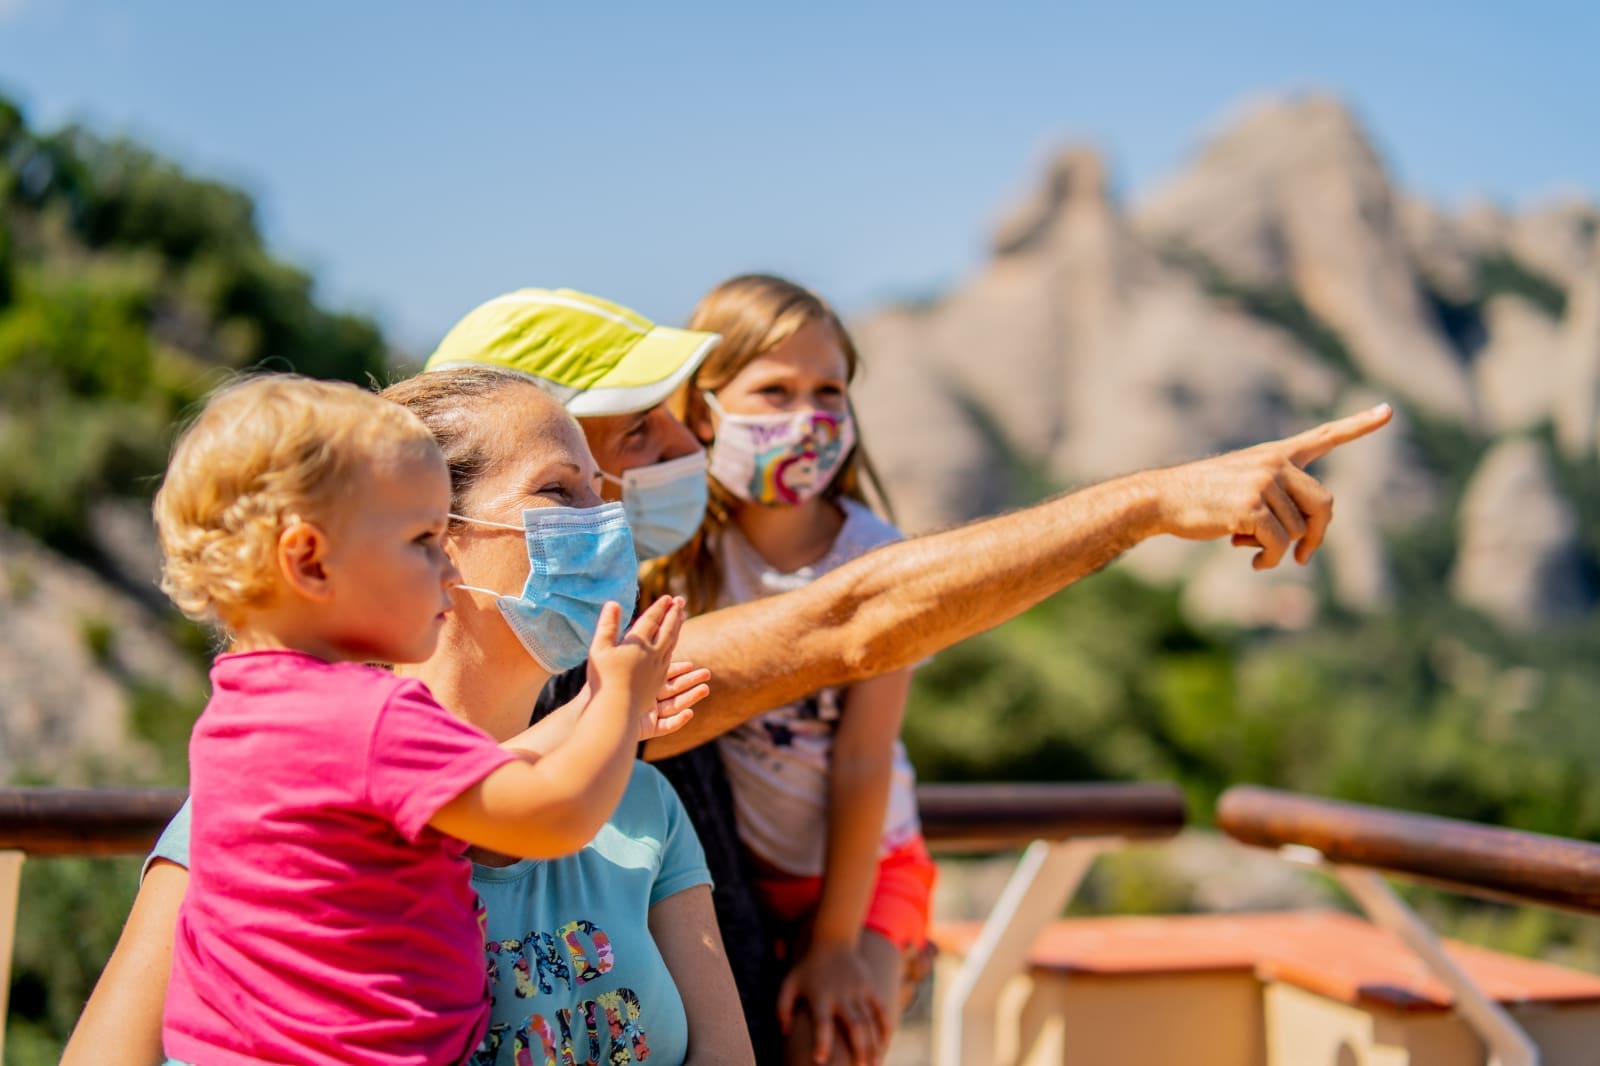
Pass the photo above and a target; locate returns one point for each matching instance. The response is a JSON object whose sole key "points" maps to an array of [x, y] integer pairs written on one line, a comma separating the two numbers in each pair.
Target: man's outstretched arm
{"points": [[901, 603]]}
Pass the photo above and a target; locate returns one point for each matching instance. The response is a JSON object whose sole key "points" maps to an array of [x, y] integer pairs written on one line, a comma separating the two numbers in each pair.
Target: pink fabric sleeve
{"points": [[422, 757]]}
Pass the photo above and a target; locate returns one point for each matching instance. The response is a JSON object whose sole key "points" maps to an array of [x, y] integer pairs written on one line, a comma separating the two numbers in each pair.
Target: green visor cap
{"points": [[596, 357]]}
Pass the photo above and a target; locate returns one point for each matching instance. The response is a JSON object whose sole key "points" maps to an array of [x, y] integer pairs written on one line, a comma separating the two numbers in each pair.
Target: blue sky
{"points": [[421, 158]]}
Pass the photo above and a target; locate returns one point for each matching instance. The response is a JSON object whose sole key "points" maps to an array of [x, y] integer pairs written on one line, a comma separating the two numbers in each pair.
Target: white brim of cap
{"points": [[665, 357]]}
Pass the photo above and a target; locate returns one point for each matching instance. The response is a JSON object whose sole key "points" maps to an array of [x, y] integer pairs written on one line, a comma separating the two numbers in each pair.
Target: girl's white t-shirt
{"points": [[777, 762]]}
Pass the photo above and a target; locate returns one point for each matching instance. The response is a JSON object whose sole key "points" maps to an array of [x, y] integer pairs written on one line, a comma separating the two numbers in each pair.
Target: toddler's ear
{"points": [[301, 549]]}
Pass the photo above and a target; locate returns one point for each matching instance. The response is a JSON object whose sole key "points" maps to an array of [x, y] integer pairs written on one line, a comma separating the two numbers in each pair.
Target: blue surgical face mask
{"points": [[578, 558], [665, 503]]}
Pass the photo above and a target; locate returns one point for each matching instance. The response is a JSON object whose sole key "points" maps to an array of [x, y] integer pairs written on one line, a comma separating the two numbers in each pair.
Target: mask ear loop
{"points": [[486, 522], [695, 460], [483, 522], [715, 408]]}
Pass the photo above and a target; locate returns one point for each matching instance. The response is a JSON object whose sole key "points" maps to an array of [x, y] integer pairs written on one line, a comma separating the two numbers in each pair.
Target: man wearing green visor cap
{"points": [[614, 369]]}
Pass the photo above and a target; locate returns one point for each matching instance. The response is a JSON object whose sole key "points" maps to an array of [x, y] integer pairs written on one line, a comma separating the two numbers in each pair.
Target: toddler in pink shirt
{"points": [[329, 916]]}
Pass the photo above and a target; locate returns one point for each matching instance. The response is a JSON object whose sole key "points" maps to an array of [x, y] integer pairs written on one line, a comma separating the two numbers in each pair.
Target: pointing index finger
{"points": [[1314, 443]]}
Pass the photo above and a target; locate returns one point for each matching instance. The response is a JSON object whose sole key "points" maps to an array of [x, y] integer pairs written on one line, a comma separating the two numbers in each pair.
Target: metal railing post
{"points": [[1509, 1044], [1045, 879], [10, 883]]}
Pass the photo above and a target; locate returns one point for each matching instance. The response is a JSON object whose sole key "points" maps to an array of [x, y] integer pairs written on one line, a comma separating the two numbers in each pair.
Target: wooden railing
{"points": [[986, 817], [1003, 817], [1067, 825], [1359, 844], [85, 821], [1460, 856]]}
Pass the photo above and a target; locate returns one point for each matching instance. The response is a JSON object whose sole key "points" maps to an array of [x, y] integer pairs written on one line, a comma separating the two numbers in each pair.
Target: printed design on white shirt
{"points": [[778, 762], [817, 715]]}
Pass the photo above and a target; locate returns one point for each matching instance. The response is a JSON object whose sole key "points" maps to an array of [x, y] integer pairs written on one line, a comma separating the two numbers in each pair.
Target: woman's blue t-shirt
{"points": [[575, 973]]}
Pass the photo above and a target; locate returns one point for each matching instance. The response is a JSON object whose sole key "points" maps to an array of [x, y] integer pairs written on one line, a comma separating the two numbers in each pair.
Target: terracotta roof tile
{"points": [[1331, 953]]}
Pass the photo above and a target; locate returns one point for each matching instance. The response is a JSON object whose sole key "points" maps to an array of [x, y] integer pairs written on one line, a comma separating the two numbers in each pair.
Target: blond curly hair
{"points": [[266, 451]]}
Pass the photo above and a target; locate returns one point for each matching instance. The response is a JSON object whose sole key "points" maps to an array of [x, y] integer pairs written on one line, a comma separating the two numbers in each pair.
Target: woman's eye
{"points": [[427, 538], [555, 488], [774, 392]]}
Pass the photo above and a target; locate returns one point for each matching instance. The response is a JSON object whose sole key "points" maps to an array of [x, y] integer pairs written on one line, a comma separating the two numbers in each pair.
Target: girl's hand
{"points": [[686, 685], [835, 983], [636, 665]]}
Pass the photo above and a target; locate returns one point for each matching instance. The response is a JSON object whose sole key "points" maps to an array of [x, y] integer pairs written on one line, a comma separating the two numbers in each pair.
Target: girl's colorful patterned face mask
{"points": [[782, 459]]}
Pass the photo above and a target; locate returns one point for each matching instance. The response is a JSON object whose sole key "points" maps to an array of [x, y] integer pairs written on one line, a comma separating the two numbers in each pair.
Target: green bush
{"points": [[1429, 708], [128, 288], [73, 911]]}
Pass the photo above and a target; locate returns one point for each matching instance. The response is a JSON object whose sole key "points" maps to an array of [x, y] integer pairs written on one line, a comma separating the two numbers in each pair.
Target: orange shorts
{"points": [[901, 899]]}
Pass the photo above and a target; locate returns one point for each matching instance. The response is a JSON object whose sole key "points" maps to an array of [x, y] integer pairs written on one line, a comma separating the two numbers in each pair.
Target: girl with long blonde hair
{"points": [[823, 791]]}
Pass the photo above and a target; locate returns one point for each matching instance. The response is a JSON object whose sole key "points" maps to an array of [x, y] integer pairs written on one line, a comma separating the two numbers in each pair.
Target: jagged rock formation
{"points": [[1446, 251], [1518, 338], [1082, 352], [1518, 560], [1295, 197], [1557, 239], [73, 650], [935, 461], [1380, 488], [1277, 280], [1576, 405]]}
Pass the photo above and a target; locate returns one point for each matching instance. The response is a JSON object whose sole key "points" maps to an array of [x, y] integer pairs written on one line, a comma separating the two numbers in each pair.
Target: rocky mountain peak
{"points": [[1577, 393], [1076, 176], [1284, 132], [1519, 556], [1294, 198], [1277, 279]]}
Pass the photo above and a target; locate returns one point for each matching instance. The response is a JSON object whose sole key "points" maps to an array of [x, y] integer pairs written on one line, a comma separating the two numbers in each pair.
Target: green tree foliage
{"points": [[1426, 709], [128, 289], [73, 910]]}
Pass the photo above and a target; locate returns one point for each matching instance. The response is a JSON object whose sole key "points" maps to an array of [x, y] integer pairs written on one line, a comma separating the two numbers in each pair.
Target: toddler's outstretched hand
{"points": [[686, 685], [636, 665]]}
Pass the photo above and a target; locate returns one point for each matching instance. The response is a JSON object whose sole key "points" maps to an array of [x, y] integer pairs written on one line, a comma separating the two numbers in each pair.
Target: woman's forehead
{"points": [[531, 429], [532, 412]]}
